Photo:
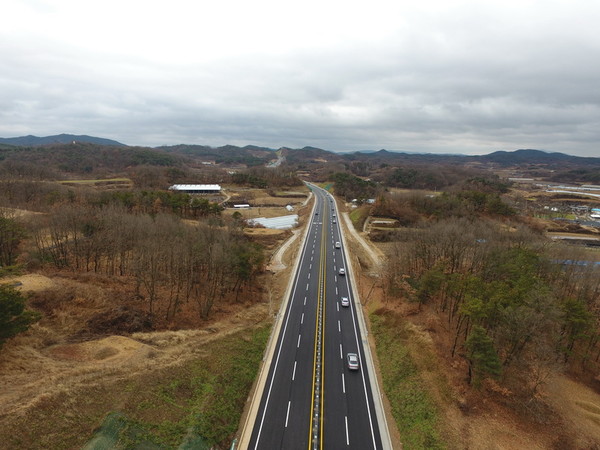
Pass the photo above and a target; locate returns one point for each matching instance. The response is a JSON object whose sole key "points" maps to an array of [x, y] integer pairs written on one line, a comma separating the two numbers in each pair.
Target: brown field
{"points": [[103, 184], [278, 201], [412, 191]]}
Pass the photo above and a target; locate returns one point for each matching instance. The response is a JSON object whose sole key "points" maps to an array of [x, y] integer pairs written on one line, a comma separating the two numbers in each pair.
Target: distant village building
{"points": [[580, 208], [196, 188]]}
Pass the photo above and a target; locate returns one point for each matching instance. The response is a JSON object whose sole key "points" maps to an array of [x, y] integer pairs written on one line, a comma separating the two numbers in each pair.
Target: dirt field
{"points": [[261, 198]]}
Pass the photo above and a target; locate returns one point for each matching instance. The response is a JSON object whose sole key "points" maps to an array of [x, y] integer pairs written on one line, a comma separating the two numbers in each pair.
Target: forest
{"points": [[511, 306], [174, 251]]}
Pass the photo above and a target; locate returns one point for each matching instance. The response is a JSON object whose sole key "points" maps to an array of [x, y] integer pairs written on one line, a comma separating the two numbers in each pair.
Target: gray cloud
{"points": [[472, 79]]}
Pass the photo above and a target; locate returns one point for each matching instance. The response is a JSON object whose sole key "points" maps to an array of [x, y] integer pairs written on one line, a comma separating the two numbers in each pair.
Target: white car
{"points": [[344, 301], [353, 363], [338, 245], [342, 271]]}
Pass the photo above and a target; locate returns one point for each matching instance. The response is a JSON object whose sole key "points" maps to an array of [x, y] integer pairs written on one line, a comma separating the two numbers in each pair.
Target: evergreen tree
{"points": [[481, 354], [14, 318]]}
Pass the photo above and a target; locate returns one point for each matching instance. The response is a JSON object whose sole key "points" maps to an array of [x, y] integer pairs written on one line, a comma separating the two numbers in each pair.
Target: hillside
{"points": [[72, 155], [80, 158], [529, 156], [35, 141], [228, 154]]}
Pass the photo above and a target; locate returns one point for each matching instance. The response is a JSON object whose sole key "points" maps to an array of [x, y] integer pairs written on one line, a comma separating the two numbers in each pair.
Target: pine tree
{"points": [[482, 356], [14, 318]]}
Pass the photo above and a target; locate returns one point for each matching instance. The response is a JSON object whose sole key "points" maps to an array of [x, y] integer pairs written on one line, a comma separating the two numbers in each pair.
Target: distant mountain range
{"points": [[34, 141], [256, 155]]}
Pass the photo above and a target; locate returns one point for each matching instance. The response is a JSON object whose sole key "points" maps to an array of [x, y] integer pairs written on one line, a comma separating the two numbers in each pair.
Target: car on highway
{"points": [[338, 245], [342, 271], [353, 363], [344, 301], [333, 220]]}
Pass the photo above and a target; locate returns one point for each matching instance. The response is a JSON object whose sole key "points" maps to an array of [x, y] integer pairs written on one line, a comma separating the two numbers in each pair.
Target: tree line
{"points": [[82, 158], [262, 178], [350, 187], [414, 207]]}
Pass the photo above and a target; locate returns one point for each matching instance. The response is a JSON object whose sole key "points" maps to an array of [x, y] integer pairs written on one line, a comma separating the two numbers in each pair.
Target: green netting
{"points": [[107, 436], [117, 432], [193, 442]]}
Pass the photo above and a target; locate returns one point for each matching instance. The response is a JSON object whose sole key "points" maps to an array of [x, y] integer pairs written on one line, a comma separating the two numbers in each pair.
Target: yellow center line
{"points": [[323, 297]]}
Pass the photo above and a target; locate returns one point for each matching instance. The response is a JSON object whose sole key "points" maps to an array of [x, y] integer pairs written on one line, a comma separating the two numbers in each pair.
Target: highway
{"points": [[311, 399]]}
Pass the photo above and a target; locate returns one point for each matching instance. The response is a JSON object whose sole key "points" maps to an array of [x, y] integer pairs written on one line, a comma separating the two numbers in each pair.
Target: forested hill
{"points": [[529, 156], [249, 155], [73, 153], [35, 141], [53, 161]]}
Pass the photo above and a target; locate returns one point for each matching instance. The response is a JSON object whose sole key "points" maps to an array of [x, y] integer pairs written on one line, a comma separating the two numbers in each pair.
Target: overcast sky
{"points": [[431, 76]]}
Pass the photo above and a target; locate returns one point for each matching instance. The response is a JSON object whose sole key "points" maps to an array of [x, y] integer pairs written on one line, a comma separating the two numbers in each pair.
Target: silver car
{"points": [[353, 363], [344, 301], [342, 271]]}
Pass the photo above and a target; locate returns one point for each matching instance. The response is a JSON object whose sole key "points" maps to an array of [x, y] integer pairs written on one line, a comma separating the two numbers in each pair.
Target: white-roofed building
{"points": [[196, 188]]}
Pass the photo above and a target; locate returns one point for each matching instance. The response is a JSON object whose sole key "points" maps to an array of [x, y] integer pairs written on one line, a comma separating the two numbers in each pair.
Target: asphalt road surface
{"points": [[311, 399]]}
